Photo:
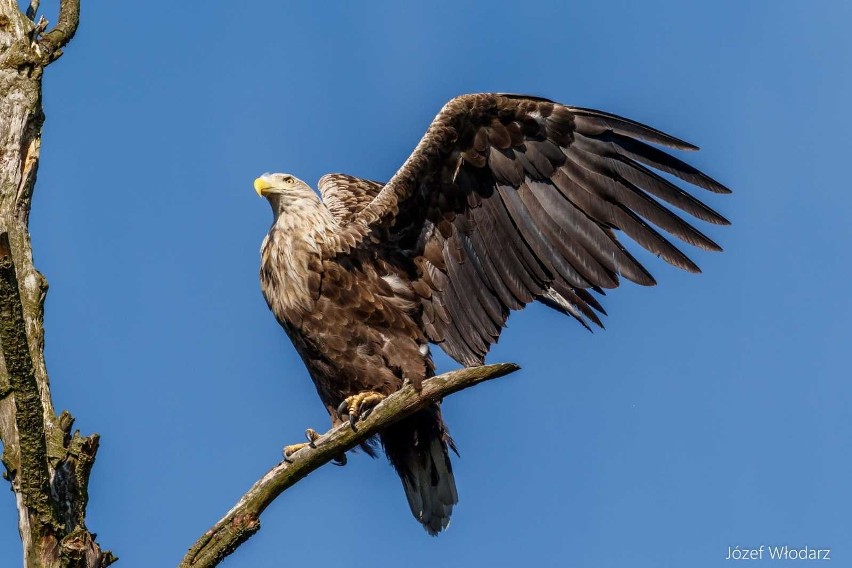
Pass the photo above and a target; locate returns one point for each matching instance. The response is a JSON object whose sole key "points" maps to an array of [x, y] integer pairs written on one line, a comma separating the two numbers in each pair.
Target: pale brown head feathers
{"points": [[283, 191]]}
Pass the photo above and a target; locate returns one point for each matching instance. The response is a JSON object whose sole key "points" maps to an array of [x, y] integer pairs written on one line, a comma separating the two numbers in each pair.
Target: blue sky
{"points": [[712, 412]]}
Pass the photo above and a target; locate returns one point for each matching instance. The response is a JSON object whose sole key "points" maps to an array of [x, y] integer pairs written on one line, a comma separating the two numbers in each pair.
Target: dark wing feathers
{"points": [[618, 188], [592, 122], [639, 175], [585, 233], [656, 158], [508, 199]]}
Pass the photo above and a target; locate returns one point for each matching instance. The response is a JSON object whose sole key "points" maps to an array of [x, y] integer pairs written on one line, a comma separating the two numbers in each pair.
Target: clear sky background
{"points": [[714, 411]]}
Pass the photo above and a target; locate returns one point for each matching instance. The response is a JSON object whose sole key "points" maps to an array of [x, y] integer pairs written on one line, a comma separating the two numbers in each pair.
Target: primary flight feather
{"points": [[506, 200]]}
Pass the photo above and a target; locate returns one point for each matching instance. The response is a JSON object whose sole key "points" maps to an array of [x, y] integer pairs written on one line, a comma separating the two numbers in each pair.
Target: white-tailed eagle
{"points": [[506, 200]]}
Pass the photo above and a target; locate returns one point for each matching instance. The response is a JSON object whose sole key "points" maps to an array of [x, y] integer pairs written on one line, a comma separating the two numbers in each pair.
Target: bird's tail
{"points": [[418, 447]]}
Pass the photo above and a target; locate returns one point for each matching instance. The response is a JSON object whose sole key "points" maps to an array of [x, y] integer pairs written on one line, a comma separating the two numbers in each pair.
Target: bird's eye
{"points": [[288, 180]]}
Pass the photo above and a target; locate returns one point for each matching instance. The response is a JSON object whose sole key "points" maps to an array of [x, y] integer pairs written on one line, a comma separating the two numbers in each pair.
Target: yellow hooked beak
{"points": [[261, 184]]}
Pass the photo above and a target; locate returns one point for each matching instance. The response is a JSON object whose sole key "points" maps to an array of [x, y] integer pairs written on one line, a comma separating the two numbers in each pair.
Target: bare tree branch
{"points": [[69, 19], [243, 520]]}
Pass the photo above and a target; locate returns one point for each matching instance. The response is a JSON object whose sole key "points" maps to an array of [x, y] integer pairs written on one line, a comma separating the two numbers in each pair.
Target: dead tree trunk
{"points": [[47, 466]]}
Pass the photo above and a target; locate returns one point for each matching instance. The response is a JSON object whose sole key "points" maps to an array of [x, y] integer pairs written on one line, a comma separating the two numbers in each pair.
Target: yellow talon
{"points": [[292, 449], [310, 434], [359, 405]]}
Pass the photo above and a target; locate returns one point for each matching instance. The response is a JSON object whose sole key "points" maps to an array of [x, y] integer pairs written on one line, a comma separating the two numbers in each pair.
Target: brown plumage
{"points": [[506, 200]]}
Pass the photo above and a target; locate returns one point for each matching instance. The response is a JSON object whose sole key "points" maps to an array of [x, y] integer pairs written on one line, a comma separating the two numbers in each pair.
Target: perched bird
{"points": [[506, 200]]}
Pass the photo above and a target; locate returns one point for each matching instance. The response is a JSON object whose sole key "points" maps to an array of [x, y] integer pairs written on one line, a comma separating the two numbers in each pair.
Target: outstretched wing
{"points": [[508, 199]]}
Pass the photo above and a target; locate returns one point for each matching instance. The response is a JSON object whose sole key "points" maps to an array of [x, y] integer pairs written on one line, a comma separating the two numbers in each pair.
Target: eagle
{"points": [[506, 200]]}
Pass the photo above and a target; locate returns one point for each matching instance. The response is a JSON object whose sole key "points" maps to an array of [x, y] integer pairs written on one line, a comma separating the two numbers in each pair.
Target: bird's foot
{"points": [[312, 436], [358, 406]]}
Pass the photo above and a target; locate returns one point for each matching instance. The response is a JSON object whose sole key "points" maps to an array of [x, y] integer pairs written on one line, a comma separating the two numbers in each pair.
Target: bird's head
{"points": [[283, 190]]}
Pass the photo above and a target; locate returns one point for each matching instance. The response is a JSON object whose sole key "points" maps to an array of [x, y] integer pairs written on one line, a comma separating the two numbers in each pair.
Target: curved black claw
{"points": [[339, 460], [343, 410], [312, 436]]}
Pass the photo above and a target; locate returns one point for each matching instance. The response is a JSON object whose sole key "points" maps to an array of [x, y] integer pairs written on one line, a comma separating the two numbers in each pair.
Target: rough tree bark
{"points": [[243, 520], [47, 466]]}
